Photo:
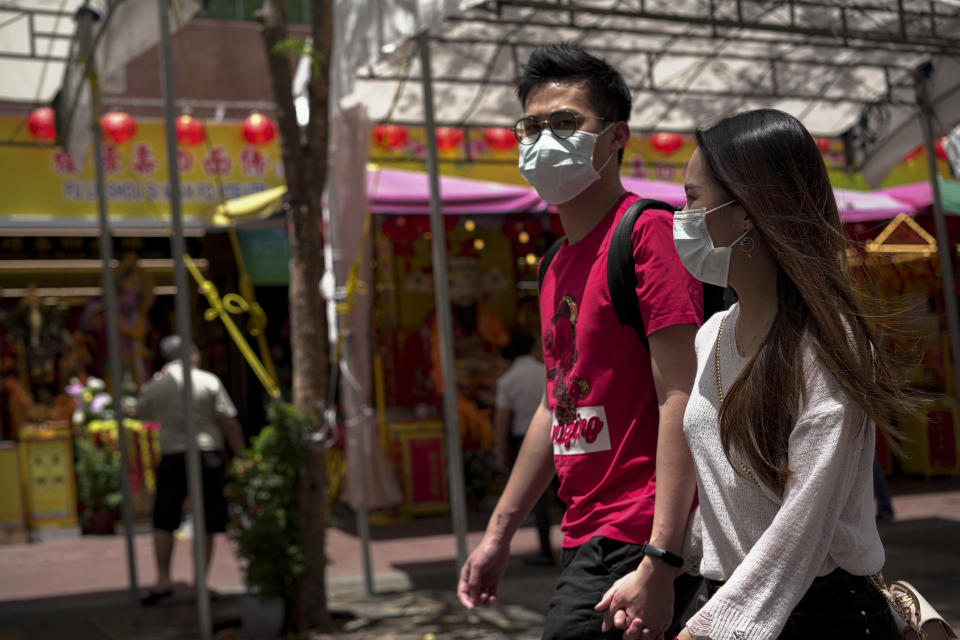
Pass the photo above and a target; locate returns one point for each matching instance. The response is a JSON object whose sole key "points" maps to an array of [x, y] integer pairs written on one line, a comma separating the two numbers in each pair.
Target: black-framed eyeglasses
{"points": [[562, 124]]}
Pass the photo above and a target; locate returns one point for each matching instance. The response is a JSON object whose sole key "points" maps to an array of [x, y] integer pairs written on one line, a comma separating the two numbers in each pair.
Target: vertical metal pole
{"points": [[185, 330], [357, 423], [944, 249], [458, 502], [85, 19], [356, 427]]}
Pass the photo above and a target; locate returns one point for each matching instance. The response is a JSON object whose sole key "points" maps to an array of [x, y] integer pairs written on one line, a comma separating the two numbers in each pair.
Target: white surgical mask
{"points": [[561, 169], [692, 240]]}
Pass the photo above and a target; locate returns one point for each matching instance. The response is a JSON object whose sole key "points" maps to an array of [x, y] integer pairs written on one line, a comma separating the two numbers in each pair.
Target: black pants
{"points": [[172, 490], [588, 571], [837, 606]]}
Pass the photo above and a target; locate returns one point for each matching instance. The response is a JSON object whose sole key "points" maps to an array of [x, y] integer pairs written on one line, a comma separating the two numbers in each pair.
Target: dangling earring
{"points": [[747, 245]]}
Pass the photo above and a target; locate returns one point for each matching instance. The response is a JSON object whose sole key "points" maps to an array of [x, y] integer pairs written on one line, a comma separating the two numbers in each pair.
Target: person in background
{"points": [[790, 382], [519, 391], [161, 400]]}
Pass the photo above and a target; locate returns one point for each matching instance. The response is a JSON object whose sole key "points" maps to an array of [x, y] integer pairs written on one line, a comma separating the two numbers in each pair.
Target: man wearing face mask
{"points": [[609, 423]]}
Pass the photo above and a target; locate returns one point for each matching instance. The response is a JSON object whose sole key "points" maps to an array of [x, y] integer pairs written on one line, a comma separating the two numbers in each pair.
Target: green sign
{"points": [[266, 254]]}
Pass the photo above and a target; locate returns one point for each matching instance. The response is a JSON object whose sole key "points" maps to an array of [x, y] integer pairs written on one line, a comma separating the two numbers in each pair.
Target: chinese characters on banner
{"points": [[52, 182]]}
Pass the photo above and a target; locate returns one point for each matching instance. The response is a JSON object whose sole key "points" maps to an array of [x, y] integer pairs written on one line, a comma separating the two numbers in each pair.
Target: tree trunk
{"points": [[305, 167]]}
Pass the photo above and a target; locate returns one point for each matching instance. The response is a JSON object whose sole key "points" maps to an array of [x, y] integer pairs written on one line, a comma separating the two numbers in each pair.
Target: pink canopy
{"points": [[860, 206], [408, 192], [919, 195]]}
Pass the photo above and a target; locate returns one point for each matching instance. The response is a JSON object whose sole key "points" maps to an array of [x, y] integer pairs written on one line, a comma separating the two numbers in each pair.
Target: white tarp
{"points": [[900, 129], [681, 62], [35, 63], [366, 30], [370, 482]]}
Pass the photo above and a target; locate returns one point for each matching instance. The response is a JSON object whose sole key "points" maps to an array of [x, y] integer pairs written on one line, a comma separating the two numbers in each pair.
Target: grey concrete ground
{"points": [[43, 594]]}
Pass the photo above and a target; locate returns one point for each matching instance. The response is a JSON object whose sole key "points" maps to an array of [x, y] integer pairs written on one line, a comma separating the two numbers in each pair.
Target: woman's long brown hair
{"points": [[770, 164]]}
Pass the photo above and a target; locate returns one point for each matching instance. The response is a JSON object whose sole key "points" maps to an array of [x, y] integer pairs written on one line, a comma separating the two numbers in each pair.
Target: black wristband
{"points": [[663, 555]]}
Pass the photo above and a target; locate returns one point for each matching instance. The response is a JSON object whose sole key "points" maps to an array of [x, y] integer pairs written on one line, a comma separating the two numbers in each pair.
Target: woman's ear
{"points": [[747, 221]]}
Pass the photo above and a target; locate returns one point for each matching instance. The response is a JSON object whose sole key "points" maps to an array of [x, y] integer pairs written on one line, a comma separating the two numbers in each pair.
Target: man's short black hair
{"points": [[606, 88]]}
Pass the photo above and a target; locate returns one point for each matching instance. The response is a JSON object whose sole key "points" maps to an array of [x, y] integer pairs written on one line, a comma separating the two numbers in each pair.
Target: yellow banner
{"points": [[49, 182]]}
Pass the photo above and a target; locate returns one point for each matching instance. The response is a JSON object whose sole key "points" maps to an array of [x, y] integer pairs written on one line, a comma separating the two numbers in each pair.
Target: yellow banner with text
{"points": [[47, 181]]}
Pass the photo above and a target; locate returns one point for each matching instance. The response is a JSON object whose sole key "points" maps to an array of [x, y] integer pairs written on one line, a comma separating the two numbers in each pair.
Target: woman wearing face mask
{"points": [[790, 382]]}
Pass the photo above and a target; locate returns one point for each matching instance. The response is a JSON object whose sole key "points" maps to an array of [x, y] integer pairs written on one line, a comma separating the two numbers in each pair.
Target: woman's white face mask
{"points": [[692, 240]]}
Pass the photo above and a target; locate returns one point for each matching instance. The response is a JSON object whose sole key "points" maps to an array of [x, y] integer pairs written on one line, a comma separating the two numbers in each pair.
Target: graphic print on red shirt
{"points": [[575, 430], [599, 381]]}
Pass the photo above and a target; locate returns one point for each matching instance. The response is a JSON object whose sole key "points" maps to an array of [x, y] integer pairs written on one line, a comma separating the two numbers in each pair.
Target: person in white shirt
{"points": [[790, 384], [161, 400], [519, 391]]}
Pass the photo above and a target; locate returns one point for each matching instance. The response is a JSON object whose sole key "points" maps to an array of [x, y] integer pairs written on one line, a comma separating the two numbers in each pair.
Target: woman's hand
{"points": [[684, 635]]}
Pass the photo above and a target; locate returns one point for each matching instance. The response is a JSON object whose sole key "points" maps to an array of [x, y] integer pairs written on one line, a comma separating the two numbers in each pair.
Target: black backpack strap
{"points": [[621, 275], [546, 260]]}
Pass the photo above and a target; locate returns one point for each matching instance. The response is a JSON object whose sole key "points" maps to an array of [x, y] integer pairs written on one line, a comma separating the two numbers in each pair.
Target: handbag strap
{"points": [[900, 601]]}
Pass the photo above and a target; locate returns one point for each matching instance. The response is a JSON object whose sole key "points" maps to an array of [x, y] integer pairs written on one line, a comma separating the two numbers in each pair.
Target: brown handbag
{"points": [[915, 617]]}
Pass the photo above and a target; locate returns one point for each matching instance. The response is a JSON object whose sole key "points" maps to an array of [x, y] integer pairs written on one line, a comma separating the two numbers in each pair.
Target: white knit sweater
{"points": [[767, 549]]}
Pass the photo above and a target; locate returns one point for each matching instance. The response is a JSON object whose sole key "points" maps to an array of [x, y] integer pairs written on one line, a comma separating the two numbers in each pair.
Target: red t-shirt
{"points": [[599, 381]]}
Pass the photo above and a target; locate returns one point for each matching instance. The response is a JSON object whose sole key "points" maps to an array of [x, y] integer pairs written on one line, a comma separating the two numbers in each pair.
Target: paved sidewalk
{"points": [[76, 588]]}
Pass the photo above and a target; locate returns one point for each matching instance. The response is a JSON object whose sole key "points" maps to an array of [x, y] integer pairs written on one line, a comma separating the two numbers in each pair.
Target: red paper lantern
{"points": [[258, 129], [823, 144], [189, 131], [118, 126], [913, 155], [41, 124], [500, 138], [667, 143], [449, 138], [939, 147], [390, 136]]}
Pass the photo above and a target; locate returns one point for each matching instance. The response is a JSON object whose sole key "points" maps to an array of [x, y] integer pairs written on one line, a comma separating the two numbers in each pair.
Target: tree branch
{"points": [[273, 27]]}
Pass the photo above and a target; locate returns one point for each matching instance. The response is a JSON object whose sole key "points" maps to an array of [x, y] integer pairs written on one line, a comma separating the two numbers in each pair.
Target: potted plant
{"points": [[98, 485], [265, 516], [97, 457]]}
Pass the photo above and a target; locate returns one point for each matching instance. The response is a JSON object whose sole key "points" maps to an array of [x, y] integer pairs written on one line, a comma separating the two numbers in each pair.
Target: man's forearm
{"points": [[234, 435], [674, 363], [676, 478], [531, 475]]}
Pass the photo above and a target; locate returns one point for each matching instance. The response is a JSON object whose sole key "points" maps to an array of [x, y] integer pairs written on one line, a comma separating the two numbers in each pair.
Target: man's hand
{"points": [[482, 572], [640, 602]]}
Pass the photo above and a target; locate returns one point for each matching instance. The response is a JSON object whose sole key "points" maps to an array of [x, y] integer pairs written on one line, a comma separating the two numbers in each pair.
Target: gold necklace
{"points": [[716, 362]]}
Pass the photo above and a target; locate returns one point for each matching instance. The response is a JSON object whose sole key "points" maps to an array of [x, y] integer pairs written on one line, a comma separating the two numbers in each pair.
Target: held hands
{"points": [[641, 602], [482, 572]]}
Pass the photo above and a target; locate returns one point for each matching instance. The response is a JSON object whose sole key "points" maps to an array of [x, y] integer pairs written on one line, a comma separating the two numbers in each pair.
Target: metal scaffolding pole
{"points": [[185, 330], [458, 501], [85, 19], [944, 250]]}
